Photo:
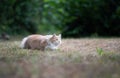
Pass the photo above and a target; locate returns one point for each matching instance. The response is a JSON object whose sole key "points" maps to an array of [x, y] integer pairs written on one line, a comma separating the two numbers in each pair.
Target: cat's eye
{"points": [[56, 39]]}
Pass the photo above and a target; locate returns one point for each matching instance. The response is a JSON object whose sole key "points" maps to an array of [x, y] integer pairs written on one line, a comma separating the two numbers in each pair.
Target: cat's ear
{"points": [[59, 35], [54, 35]]}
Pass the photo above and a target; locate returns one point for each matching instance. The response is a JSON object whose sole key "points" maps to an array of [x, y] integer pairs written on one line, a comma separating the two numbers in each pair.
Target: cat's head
{"points": [[55, 39]]}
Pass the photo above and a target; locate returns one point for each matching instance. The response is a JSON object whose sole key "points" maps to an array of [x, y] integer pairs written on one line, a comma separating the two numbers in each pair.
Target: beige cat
{"points": [[41, 42]]}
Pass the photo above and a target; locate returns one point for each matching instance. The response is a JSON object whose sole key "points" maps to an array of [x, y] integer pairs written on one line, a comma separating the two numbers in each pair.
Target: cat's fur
{"points": [[41, 42]]}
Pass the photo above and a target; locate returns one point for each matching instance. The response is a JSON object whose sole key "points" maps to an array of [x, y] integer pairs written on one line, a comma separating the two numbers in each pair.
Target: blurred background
{"points": [[72, 18]]}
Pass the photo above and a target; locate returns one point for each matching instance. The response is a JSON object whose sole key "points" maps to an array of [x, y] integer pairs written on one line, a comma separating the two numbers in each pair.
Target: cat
{"points": [[41, 42]]}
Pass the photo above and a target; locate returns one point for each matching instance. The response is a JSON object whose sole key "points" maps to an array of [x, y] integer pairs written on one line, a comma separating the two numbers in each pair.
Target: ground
{"points": [[76, 58]]}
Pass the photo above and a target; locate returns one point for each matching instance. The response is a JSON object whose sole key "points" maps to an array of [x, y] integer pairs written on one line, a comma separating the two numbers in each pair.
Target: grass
{"points": [[76, 58]]}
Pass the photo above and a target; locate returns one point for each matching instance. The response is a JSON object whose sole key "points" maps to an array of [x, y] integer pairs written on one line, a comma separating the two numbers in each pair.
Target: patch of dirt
{"points": [[89, 46]]}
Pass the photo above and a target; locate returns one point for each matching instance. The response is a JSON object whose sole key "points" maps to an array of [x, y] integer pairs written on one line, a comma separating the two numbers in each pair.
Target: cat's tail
{"points": [[22, 45]]}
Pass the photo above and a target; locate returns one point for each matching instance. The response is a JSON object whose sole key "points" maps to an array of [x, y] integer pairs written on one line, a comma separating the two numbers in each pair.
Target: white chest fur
{"points": [[51, 47]]}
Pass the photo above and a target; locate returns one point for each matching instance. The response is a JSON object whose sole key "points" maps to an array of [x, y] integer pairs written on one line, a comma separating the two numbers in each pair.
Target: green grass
{"points": [[76, 58]]}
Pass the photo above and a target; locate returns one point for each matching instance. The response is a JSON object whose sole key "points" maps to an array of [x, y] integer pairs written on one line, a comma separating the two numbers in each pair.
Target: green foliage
{"points": [[86, 17], [72, 18], [53, 13], [83, 17], [19, 16]]}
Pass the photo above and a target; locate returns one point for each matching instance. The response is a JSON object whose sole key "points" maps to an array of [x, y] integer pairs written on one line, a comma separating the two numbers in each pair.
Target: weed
{"points": [[100, 51]]}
